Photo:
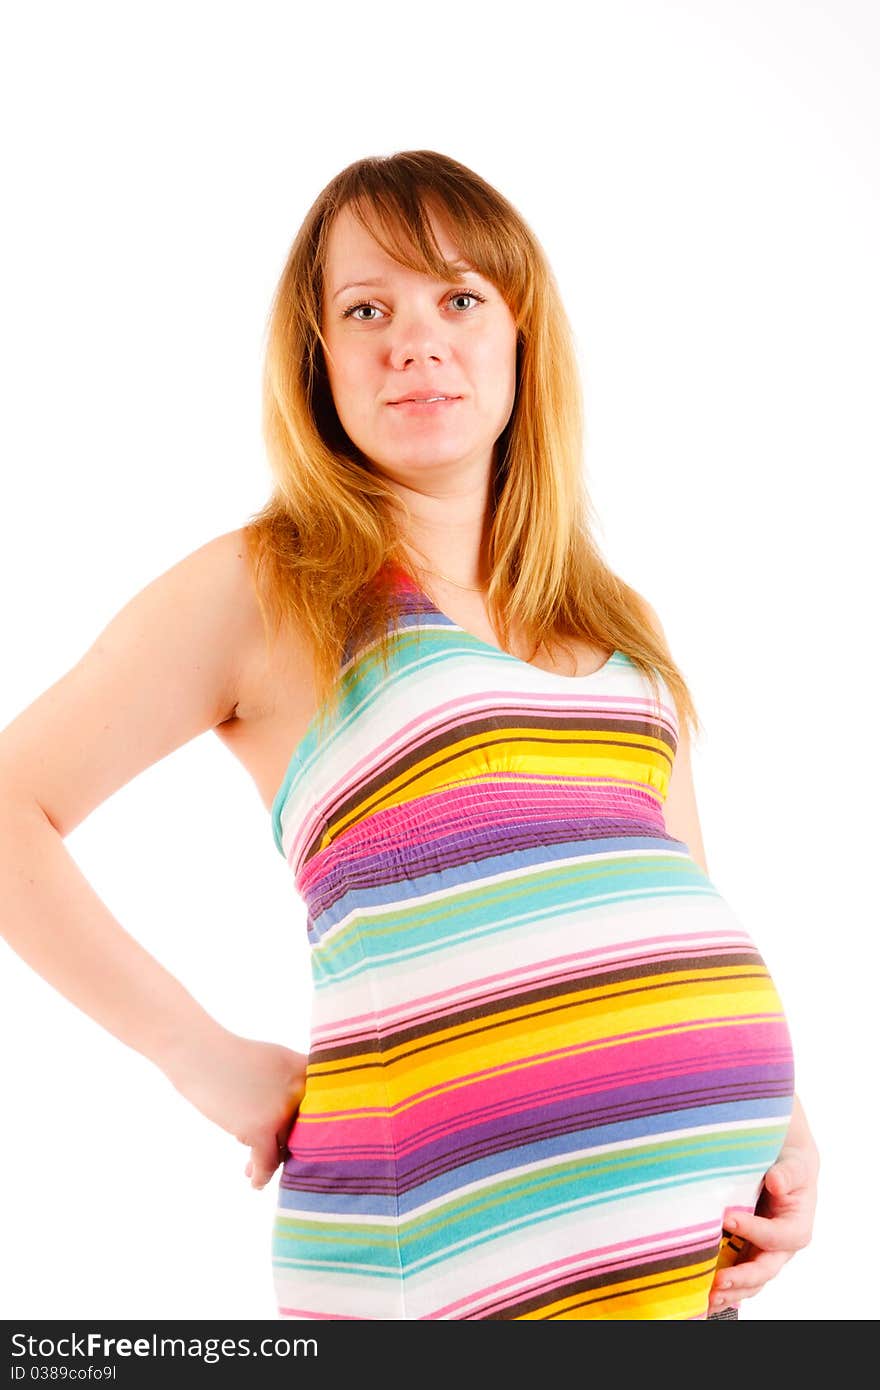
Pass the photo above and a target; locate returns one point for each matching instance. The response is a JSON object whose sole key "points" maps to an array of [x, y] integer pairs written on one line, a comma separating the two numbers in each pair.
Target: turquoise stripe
{"points": [[415, 929], [501, 1208]]}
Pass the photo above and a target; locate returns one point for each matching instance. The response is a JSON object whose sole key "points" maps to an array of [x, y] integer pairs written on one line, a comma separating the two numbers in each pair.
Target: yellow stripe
{"points": [[366, 1082], [682, 997], [600, 754], [670, 1293]]}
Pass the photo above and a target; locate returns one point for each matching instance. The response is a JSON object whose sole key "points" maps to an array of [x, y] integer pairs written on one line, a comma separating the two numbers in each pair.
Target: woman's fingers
{"points": [[264, 1160], [746, 1279], [790, 1171], [782, 1233], [783, 1218]]}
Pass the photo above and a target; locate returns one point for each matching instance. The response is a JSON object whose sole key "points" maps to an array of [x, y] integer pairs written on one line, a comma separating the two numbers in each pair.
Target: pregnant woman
{"points": [[549, 1074], [547, 1060]]}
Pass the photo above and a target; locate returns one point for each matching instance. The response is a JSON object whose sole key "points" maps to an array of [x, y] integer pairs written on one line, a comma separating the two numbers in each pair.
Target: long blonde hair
{"points": [[318, 546]]}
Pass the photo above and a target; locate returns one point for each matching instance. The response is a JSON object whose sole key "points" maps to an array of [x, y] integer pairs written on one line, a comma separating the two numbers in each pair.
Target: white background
{"points": [[704, 179]]}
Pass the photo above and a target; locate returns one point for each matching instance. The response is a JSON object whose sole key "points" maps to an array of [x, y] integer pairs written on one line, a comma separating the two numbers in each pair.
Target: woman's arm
{"points": [[167, 668], [163, 671]]}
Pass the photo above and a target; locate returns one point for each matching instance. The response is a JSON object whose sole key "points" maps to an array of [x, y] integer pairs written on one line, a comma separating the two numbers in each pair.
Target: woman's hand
{"points": [[251, 1089], [782, 1222]]}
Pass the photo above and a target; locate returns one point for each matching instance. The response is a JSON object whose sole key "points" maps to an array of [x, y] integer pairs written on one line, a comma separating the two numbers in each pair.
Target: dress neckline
{"points": [[403, 580]]}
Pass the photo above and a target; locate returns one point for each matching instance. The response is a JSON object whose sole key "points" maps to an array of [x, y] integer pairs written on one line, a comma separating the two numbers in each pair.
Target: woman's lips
{"points": [[424, 407]]}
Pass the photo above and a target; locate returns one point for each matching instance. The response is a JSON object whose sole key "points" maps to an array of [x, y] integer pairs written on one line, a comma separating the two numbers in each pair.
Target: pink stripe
{"points": [[446, 806], [661, 1037], [441, 1111], [307, 1313], [464, 1107]]}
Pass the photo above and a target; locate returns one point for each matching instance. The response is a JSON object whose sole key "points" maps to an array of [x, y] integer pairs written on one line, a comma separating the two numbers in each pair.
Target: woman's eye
{"points": [[368, 304]]}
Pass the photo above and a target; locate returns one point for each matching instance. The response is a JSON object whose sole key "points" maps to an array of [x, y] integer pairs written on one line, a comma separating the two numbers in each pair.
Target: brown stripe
{"points": [[585, 1283], [369, 795], [384, 1044]]}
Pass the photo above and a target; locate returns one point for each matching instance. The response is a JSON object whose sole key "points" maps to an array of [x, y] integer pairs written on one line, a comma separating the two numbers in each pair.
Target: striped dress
{"points": [[545, 1055]]}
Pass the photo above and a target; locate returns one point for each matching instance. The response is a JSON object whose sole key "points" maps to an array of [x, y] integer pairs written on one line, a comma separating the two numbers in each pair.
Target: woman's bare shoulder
{"points": [[274, 696], [223, 565], [176, 660], [263, 672], [220, 572]]}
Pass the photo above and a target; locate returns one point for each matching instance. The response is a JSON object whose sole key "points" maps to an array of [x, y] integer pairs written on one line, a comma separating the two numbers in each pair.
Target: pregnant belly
{"points": [[611, 1081], [688, 1069]]}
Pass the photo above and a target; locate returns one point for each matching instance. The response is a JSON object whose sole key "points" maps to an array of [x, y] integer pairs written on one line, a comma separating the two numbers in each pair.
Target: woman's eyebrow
{"points": [[381, 281]]}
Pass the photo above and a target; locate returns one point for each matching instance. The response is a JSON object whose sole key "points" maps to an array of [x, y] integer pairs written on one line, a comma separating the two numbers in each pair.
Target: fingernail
{"points": [[732, 1224]]}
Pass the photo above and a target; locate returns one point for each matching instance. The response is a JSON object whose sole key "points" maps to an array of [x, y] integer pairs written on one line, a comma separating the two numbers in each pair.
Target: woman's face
{"points": [[410, 335]]}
